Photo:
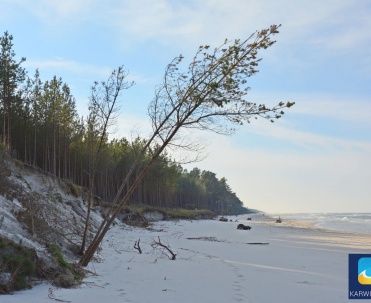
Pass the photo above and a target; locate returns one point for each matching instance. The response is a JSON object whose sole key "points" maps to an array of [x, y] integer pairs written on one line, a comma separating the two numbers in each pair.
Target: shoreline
{"points": [[340, 238], [302, 223], [271, 220], [358, 223]]}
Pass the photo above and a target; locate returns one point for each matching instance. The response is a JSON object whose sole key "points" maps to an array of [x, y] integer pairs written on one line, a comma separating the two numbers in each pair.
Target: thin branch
{"points": [[137, 246], [157, 244]]}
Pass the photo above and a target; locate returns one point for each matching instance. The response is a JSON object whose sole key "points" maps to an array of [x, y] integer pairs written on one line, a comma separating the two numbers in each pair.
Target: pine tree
{"points": [[11, 76]]}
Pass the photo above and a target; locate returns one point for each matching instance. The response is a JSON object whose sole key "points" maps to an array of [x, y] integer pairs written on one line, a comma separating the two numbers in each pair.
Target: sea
{"points": [[350, 222]]}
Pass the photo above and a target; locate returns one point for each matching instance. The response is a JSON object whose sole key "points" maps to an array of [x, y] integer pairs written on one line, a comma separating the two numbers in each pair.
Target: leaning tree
{"points": [[208, 95], [103, 111]]}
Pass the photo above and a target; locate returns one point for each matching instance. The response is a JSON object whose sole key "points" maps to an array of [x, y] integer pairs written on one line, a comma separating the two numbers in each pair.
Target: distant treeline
{"points": [[39, 125]]}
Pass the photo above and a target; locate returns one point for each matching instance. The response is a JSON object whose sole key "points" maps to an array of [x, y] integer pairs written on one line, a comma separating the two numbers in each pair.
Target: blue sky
{"points": [[316, 159]]}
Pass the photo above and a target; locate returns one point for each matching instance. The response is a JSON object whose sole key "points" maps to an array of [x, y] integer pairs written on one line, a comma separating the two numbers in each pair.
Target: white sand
{"points": [[300, 264]]}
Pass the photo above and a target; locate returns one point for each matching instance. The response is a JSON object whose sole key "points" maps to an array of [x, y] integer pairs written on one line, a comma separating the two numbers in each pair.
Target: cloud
{"points": [[350, 108], [212, 21], [283, 167], [292, 181], [68, 65], [353, 109], [308, 140], [348, 31], [338, 25], [54, 12]]}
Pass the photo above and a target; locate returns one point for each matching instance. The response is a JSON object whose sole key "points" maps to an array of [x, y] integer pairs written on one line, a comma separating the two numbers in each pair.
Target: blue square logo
{"points": [[364, 271], [359, 276]]}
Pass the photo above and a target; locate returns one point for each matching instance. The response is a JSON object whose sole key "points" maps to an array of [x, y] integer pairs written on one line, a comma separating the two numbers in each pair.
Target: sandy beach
{"points": [[292, 261]]}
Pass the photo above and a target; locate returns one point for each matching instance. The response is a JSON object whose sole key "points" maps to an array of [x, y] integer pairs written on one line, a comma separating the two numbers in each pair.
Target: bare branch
{"points": [[164, 249], [137, 246]]}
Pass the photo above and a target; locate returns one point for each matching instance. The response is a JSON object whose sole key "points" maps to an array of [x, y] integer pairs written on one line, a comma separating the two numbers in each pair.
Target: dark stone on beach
{"points": [[243, 227]]}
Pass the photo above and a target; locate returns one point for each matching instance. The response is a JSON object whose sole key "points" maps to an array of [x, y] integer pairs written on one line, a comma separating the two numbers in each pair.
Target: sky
{"points": [[317, 158]]}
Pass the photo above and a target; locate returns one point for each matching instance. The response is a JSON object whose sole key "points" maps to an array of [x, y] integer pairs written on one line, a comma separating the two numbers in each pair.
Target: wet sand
{"points": [[308, 231]]}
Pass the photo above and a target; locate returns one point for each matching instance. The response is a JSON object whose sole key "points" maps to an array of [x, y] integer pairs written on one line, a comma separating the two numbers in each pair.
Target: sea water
{"points": [[351, 222]]}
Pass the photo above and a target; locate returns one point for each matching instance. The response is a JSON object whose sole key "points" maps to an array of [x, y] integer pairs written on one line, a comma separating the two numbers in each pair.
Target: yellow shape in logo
{"points": [[364, 279]]}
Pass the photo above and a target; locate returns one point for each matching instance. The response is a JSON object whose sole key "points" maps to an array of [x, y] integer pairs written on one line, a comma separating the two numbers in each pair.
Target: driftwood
{"points": [[137, 246], [212, 239], [164, 248], [258, 243]]}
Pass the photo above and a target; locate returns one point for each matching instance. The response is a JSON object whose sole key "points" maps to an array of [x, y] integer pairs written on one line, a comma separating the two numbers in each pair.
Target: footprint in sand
{"points": [[238, 286]]}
